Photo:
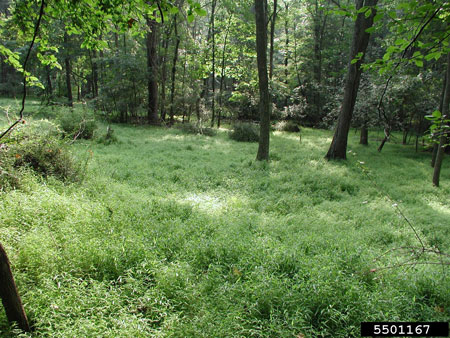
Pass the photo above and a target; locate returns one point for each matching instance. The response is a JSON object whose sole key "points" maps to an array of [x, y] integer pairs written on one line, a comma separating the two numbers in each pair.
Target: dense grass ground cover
{"points": [[177, 235]]}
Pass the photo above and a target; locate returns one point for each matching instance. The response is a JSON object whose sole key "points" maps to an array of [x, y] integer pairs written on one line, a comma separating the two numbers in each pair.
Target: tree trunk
{"points": [[49, 88], [152, 68], [387, 135], [286, 56], [165, 46], [272, 37], [441, 106], [433, 156], [174, 71], [213, 38], [9, 295], [338, 147], [68, 72], [264, 98], [222, 74], [364, 138], [443, 137], [94, 74]]}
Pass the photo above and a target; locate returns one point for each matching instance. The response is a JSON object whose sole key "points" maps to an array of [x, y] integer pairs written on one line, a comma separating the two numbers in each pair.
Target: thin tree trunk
{"points": [[286, 56], [364, 138], [338, 147], [272, 37], [222, 74], [152, 67], [443, 138], [174, 70], [68, 72], [94, 74], [441, 105], [49, 88], [9, 294], [264, 97], [213, 38], [387, 135]]}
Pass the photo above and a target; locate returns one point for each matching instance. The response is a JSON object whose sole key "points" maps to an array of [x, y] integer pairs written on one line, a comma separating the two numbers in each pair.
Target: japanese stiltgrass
{"points": [[178, 235]]}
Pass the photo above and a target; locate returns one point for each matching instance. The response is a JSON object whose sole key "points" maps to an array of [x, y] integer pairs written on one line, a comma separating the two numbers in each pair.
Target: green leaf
{"points": [[387, 56], [419, 63], [174, 10], [354, 61], [378, 17], [200, 11], [190, 18], [370, 30]]}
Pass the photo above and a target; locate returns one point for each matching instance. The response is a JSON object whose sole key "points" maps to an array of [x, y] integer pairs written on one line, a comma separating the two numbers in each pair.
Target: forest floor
{"points": [[178, 235]]}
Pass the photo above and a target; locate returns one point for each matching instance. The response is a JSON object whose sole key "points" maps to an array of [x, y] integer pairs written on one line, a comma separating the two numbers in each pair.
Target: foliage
{"points": [[109, 137], [245, 132], [190, 128], [288, 126], [77, 123], [37, 146]]}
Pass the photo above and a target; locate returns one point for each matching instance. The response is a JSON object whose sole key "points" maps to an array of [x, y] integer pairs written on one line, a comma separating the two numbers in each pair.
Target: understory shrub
{"points": [[78, 124], [288, 126], [245, 132], [39, 147], [190, 128], [108, 138]]}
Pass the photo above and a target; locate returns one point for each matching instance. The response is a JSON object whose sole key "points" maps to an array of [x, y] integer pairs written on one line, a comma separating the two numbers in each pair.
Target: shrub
{"points": [[245, 132], [190, 128], [37, 146], [76, 124], [108, 138], [288, 126]]}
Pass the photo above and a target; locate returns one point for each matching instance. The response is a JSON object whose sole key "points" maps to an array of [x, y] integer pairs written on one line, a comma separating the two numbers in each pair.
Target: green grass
{"points": [[177, 235]]}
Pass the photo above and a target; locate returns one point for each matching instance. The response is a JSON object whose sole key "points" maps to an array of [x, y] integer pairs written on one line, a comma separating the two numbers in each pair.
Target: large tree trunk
{"points": [[338, 147], [264, 98], [9, 295], [174, 71], [165, 46], [68, 71], [272, 37], [443, 137], [152, 68]]}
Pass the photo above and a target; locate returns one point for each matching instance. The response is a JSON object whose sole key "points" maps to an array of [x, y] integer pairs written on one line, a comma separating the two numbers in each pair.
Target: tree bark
{"points": [[213, 38], [9, 294], [286, 56], [272, 37], [174, 71], [443, 137], [264, 98], [338, 147], [94, 74], [68, 72], [152, 68], [222, 74], [364, 138]]}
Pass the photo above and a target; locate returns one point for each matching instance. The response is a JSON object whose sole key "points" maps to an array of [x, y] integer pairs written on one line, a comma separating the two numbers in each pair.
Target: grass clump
{"points": [[245, 132], [190, 128], [288, 126]]}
